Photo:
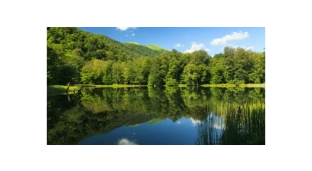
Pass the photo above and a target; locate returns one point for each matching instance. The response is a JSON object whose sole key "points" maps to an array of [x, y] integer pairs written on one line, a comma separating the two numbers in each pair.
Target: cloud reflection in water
{"points": [[125, 141]]}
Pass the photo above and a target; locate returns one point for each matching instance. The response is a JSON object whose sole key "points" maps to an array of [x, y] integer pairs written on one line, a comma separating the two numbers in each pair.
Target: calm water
{"points": [[145, 116]]}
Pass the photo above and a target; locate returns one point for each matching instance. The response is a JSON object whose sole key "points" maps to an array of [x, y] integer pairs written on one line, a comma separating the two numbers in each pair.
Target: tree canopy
{"points": [[81, 57]]}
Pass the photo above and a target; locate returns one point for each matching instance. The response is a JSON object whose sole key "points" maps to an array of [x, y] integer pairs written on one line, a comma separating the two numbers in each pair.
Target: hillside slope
{"points": [[69, 49], [144, 50], [155, 47], [89, 45], [151, 46]]}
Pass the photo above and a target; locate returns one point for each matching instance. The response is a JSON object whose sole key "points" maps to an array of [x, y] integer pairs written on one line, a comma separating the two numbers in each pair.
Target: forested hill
{"points": [[68, 48], [145, 50], [95, 45], [81, 57], [151, 46]]}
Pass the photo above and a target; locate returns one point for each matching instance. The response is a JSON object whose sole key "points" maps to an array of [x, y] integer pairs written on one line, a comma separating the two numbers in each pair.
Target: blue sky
{"points": [[188, 39]]}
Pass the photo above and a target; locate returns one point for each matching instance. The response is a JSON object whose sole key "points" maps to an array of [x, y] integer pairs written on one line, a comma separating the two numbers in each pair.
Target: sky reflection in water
{"points": [[182, 132]]}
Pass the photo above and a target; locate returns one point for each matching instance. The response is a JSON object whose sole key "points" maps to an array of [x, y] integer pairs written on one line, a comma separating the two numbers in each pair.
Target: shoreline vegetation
{"points": [[61, 89], [90, 59]]}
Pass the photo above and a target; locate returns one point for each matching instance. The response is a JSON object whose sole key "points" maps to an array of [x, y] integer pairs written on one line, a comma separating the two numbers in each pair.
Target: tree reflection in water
{"points": [[225, 116]]}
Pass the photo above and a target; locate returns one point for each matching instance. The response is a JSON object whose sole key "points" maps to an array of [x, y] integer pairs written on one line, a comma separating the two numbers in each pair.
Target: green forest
{"points": [[80, 57]]}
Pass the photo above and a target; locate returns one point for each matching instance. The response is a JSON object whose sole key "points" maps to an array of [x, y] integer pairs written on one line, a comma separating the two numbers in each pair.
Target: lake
{"points": [[162, 116]]}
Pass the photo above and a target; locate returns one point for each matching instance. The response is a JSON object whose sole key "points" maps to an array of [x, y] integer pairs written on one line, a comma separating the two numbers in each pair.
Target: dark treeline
{"points": [[99, 111], [81, 57]]}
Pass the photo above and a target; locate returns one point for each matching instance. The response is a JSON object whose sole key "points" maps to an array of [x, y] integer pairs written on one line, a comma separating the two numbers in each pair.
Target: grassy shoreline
{"points": [[119, 85], [60, 89], [227, 85], [233, 85]]}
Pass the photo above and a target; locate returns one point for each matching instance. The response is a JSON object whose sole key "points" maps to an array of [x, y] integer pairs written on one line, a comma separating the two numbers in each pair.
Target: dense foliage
{"points": [[81, 57]]}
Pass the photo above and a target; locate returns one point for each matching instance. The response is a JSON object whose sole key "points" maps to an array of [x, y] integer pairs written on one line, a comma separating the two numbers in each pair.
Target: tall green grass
{"points": [[243, 124]]}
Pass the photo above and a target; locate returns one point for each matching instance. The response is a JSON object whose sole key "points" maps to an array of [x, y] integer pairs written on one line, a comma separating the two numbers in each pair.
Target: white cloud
{"points": [[248, 48], [178, 122], [195, 122], [133, 34], [217, 121], [218, 126], [125, 141], [234, 36], [197, 46], [124, 28], [177, 45], [244, 47]]}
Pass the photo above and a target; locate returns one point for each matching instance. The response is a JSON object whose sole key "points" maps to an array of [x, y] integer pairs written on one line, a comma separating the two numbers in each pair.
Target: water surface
{"points": [[146, 116]]}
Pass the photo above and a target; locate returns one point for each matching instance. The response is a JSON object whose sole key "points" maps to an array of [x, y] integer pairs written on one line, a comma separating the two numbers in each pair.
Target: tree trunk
{"points": [[68, 85]]}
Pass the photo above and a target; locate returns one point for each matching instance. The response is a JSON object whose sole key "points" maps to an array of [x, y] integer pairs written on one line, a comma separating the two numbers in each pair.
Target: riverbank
{"points": [[233, 85], [119, 86], [227, 85], [60, 89]]}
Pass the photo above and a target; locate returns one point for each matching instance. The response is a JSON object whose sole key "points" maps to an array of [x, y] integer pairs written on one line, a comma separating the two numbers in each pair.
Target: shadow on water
{"points": [[226, 116]]}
